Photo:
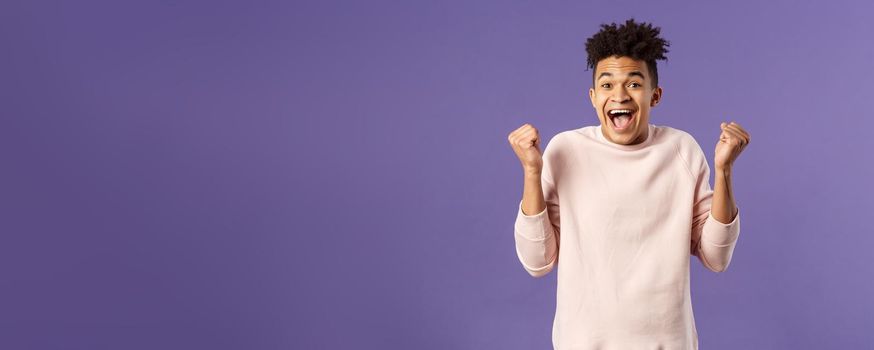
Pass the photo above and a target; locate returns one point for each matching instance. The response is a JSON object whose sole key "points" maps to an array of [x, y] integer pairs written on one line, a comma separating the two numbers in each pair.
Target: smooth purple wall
{"points": [[325, 175]]}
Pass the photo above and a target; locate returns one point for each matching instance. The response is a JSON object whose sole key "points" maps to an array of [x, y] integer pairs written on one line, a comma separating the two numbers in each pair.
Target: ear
{"points": [[592, 97], [656, 97]]}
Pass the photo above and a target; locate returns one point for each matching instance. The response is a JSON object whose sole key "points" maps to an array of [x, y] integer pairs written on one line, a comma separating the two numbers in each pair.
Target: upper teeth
{"points": [[617, 111]]}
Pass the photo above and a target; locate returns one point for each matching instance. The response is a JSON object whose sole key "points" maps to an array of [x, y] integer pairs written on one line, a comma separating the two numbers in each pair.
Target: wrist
{"points": [[532, 172]]}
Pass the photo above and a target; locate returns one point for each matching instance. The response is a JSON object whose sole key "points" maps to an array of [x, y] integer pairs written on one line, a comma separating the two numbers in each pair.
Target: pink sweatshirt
{"points": [[620, 224]]}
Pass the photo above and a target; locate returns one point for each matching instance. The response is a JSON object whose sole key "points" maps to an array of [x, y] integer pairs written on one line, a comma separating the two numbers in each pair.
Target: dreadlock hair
{"points": [[639, 41]]}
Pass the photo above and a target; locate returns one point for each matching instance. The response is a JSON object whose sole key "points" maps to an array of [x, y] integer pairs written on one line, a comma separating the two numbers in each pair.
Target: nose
{"points": [[620, 96]]}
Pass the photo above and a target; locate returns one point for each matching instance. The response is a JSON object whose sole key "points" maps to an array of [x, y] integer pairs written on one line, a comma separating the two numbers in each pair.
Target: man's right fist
{"points": [[526, 143]]}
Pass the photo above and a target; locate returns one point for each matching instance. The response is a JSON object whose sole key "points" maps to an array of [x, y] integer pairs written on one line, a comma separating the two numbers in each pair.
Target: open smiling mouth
{"points": [[621, 118]]}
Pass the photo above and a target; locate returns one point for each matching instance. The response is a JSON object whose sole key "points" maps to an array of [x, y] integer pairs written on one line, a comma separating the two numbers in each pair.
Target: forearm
{"points": [[532, 194], [536, 240], [723, 208]]}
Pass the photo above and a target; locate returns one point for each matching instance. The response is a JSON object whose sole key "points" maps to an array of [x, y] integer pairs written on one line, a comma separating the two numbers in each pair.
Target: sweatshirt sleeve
{"points": [[537, 235], [712, 242]]}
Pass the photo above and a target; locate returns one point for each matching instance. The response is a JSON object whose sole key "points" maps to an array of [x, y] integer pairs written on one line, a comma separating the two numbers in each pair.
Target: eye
{"points": [[605, 85], [634, 85]]}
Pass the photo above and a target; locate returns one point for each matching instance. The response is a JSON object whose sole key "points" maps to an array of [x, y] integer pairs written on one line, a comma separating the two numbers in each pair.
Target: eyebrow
{"points": [[637, 73]]}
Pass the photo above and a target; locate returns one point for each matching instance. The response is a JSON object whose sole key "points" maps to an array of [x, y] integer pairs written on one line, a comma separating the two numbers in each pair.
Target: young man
{"points": [[621, 206]]}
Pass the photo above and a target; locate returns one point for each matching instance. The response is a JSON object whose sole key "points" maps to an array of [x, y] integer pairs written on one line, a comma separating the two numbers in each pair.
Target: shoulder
{"points": [[688, 149], [560, 142], [568, 138], [570, 141], [676, 136], [685, 144], [561, 148]]}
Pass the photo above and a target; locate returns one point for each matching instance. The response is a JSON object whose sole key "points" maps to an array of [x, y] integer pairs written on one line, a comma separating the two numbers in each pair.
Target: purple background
{"points": [[250, 175]]}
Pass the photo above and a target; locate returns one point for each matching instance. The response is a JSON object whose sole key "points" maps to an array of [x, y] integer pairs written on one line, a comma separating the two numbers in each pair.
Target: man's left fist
{"points": [[731, 143]]}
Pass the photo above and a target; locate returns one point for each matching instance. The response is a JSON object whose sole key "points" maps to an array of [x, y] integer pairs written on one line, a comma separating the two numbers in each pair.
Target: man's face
{"points": [[624, 85]]}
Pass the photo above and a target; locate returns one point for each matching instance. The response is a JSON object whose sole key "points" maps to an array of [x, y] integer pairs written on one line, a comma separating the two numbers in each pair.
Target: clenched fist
{"points": [[731, 143], [526, 143]]}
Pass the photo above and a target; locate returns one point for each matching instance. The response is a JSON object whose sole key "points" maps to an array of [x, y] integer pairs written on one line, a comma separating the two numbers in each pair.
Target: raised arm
{"points": [[731, 143], [716, 223], [536, 234]]}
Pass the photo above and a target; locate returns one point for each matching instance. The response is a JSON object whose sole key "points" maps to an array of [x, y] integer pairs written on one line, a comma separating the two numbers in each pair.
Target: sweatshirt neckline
{"points": [[649, 136]]}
